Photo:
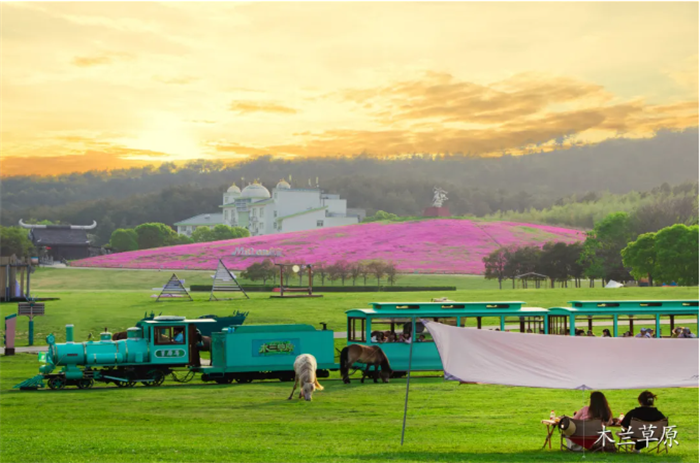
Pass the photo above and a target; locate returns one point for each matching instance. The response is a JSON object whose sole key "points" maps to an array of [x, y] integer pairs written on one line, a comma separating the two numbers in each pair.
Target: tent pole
{"points": [[408, 382]]}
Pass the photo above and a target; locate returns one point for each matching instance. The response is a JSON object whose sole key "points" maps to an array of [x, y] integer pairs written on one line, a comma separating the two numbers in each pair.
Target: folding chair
{"points": [[650, 432], [584, 434]]}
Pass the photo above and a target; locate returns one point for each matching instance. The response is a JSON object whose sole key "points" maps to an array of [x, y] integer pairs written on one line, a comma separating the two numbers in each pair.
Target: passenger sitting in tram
{"points": [[391, 337], [590, 333], [644, 333], [580, 332], [677, 332], [529, 330], [405, 337], [377, 336], [627, 334], [687, 333], [421, 338], [606, 333]]}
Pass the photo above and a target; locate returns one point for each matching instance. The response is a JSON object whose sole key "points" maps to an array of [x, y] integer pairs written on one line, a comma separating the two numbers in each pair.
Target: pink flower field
{"points": [[427, 246]]}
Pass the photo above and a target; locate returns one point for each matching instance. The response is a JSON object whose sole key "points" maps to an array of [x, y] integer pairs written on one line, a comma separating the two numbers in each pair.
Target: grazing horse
{"points": [[369, 355], [305, 376]]}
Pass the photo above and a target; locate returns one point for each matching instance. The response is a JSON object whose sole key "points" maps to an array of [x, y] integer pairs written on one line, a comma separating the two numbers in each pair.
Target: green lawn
{"points": [[78, 278], [255, 422]]}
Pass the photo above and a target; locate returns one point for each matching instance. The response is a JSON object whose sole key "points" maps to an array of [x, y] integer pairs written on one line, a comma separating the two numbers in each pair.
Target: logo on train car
{"points": [[265, 348], [170, 353]]}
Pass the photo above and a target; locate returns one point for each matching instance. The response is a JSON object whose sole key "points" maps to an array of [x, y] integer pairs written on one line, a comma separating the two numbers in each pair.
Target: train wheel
{"points": [[158, 377], [129, 383], [244, 380], [86, 383], [57, 383]]}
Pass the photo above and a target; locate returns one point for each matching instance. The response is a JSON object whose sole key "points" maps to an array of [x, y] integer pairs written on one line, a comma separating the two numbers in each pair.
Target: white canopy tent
{"points": [[564, 362]]}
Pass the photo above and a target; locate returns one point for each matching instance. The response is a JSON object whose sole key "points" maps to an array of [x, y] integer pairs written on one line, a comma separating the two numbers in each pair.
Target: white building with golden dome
{"points": [[286, 209]]}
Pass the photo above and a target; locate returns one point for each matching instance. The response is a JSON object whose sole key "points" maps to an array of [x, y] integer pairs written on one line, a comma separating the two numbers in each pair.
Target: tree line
{"points": [[613, 250], [155, 235], [338, 271]]}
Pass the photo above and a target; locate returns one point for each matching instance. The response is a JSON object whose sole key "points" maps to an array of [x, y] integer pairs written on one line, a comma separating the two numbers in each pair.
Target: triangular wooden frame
{"points": [[173, 287], [228, 283]]}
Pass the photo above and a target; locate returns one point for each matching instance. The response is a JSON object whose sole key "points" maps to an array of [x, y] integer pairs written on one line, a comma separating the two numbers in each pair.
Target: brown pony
{"points": [[369, 355]]}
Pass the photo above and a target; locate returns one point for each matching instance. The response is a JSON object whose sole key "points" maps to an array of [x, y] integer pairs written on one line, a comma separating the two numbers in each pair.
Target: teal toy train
{"points": [[159, 346]]}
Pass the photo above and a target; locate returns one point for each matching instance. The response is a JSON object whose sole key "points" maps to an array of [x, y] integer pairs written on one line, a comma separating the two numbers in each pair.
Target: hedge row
{"points": [[338, 289]]}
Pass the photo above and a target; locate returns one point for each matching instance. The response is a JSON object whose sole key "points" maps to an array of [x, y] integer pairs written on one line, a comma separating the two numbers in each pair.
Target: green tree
{"points": [[378, 269], [264, 271], [392, 273], [640, 256], [495, 265], [600, 255], [124, 239], [179, 239], [339, 271], [224, 232], [677, 254], [154, 235], [15, 240], [203, 234], [554, 262]]}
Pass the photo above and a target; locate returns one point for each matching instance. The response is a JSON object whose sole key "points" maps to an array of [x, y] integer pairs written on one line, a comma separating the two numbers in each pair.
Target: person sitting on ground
{"points": [[606, 333], [688, 334], [646, 412]]}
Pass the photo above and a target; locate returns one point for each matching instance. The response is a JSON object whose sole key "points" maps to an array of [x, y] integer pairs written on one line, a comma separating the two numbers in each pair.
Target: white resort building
{"points": [[287, 209]]}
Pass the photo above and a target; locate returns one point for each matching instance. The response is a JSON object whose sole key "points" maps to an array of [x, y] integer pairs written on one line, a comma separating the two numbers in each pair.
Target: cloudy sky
{"points": [[100, 85]]}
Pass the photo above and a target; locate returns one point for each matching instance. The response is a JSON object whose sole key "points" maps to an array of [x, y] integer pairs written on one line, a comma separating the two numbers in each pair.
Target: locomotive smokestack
{"points": [[69, 333]]}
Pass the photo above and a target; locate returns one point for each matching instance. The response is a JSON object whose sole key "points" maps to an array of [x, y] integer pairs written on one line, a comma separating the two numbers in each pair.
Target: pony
{"points": [[305, 377], [369, 355]]}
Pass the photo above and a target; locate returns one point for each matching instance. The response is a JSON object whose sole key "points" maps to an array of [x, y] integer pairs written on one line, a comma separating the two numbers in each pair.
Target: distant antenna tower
{"points": [[316, 182]]}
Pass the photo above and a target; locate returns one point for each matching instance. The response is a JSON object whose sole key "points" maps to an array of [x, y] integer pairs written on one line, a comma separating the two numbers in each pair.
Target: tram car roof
{"points": [[170, 319], [441, 309]]}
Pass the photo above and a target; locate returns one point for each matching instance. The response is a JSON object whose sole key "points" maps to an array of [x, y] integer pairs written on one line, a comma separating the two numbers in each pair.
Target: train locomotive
{"points": [[158, 347]]}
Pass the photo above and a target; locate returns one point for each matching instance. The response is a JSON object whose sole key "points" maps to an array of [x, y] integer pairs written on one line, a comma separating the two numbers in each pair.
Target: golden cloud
{"points": [[99, 59], [246, 107]]}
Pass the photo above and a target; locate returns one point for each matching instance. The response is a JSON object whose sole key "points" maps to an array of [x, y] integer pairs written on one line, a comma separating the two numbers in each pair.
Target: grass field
{"points": [[255, 422]]}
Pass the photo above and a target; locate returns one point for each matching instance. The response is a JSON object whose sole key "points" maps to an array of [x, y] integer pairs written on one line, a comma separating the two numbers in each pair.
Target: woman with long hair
{"points": [[597, 408]]}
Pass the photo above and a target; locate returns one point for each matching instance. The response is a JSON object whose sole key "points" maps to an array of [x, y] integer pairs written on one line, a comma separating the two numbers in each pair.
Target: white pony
{"points": [[305, 376]]}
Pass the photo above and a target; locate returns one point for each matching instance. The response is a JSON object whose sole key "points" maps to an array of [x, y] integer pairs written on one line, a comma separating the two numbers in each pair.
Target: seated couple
{"points": [[598, 409]]}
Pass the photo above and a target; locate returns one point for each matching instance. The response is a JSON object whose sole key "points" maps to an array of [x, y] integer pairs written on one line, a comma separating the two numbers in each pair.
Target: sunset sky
{"points": [[107, 85]]}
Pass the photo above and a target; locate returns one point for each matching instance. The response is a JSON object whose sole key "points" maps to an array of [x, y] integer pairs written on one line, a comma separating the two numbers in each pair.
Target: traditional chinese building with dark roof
{"points": [[68, 242]]}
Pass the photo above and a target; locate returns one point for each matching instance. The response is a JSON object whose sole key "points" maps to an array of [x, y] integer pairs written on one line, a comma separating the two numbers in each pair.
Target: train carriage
{"points": [[404, 317], [251, 352], [622, 315]]}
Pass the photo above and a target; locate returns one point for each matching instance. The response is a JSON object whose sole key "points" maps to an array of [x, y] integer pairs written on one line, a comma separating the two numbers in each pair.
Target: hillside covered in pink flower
{"points": [[426, 246]]}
